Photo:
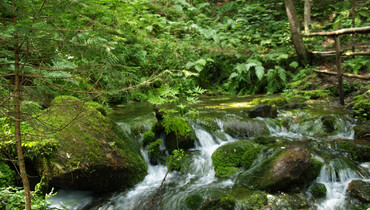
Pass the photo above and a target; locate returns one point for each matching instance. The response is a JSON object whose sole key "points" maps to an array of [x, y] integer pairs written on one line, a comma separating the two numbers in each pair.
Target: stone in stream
{"points": [[244, 128], [280, 171], [92, 152], [263, 110], [360, 189]]}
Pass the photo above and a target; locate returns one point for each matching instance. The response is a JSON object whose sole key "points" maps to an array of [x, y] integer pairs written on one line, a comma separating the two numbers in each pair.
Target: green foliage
{"points": [[178, 161], [178, 125], [356, 64], [6, 175], [148, 138], [154, 152], [13, 198], [256, 201]]}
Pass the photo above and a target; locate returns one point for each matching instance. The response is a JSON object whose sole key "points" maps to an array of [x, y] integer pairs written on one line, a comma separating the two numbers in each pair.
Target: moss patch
{"points": [[358, 152], [318, 190], [228, 159]]}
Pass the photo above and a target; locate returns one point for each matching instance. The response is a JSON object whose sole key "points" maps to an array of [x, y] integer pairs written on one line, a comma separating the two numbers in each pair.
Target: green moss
{"points": [[64, 99], [358, 152], [154, 152], [6, 175], [329, 123], [89, 139], [256, 201], [149, 137], [225, 202], [194, 201], [316, 94], [265, 140], [97, 106], [278, 101], [228, 158], [249, 156], [318, 190], [361, 109]]}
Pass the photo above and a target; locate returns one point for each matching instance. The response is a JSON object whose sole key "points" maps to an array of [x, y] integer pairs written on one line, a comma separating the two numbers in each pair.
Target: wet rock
{"points": [[362, 130], [263, 110], [225, 203], [194, 201], [329, 123], [240, 128], [360, 189], [295, 103], [92, 153], [229, 158], [318, 190], [280, 171], [358, 152]]}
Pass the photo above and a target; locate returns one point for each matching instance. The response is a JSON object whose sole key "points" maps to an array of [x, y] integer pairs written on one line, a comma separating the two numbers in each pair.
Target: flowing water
{"points": [[169, 190]]}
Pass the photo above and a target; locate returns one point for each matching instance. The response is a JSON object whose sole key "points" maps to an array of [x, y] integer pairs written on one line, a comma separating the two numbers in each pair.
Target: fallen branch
{"points": [[365, 29], [364, 77]]}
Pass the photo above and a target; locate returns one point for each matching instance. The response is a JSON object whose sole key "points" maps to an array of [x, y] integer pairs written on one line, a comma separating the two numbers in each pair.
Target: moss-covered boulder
{"points": [[93, 153], [194, 201], [226, 202], [360, 189], [149, 137], [279, 171], [362, 129], [329, 123], [156, 156], [263, 110], [295, 103], [230, 158], [318, 190], [358, 152], [244, 128]]}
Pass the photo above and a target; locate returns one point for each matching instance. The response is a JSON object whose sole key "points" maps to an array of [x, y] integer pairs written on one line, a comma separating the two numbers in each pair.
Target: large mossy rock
{"points": [[93, 153], [229, 158], [362, 129], [360, 189], [263, 110], [358, 152], [244, 128], [280, 171]]}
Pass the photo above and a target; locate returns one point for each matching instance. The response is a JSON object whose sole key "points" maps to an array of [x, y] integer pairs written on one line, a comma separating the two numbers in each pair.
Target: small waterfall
{"points": [[143, 191], [335, 175]]}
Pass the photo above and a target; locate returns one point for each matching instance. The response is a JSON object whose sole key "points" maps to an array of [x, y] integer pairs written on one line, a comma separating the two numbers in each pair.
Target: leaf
{"points": [[294, 64], [201, 62], [282, 73], [260, 71], [189, 73], [149, 28], [189, 65], [199, 68], [233, 75], [283, 56], [249, 65]]}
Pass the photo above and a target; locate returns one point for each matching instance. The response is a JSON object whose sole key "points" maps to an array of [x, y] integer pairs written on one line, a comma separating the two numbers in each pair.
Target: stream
{"points": [[212, 130]]}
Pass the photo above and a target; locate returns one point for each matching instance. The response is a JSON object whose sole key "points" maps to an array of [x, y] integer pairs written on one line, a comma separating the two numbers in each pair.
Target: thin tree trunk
{"points": [[299, 46], [353, 24], [17, 116], [307, 16]]}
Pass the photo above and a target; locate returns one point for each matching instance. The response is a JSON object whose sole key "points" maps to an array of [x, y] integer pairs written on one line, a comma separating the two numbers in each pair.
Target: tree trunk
{"points": [[299, 46], [17, 119], [307, 16], [353, 24]]}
